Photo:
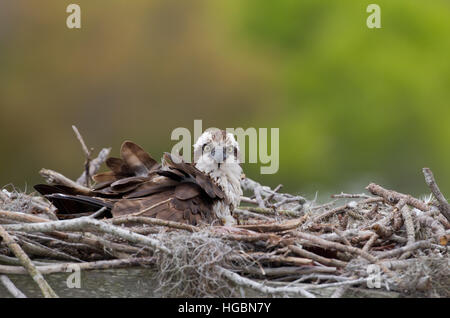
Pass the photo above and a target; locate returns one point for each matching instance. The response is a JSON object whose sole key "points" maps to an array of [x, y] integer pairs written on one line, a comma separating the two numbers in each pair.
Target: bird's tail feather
{"points": [[67, 203]]}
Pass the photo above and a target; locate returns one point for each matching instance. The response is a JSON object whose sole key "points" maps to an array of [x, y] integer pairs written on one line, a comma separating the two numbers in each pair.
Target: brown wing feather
{"points": [[137, 184], [137, 159], [185, 191], [165, 205], [203, 180]]}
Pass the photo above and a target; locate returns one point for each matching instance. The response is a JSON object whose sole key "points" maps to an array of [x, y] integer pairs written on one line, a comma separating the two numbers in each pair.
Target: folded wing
{"points": [[137, 185]]}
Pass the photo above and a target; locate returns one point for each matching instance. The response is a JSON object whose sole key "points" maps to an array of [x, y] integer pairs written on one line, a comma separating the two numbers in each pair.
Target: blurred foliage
{"points": [[353, 104]]}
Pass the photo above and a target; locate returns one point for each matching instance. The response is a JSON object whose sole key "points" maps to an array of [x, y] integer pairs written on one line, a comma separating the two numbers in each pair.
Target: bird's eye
{"points": [[206, 148], [230, 149]]}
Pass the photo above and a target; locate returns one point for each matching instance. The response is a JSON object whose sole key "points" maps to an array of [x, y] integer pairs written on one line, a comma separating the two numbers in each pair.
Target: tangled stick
{"points": [[45, 288], [444, 206]]}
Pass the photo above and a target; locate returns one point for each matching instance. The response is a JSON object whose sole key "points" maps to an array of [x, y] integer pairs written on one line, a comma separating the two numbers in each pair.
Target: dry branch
{"points": [[323, 260], [394, 197], [94, 166], [45, 288], [444, 207], [242, 281], [64, 267], [9, 285], [53, 177], [82, 224]]}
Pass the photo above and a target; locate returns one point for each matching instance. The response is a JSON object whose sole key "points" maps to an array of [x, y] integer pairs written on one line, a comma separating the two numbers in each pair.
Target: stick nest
{"points": [[283, 246]]}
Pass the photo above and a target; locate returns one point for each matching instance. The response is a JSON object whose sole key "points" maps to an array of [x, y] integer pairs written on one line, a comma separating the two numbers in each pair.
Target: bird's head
{"points": [[216, 150], [216, 153]]}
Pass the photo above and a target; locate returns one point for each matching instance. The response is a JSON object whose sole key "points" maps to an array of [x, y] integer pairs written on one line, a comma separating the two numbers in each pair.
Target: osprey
{"points": [[206, 191]]}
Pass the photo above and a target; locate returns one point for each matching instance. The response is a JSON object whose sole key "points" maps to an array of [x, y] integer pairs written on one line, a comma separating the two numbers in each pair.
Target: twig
{"points": [[53, 177], [87, 154], [401, 250], [410, 231], [82, 224], [21, 217], [289, 270], [249, 214], [269, 211], [344, 283], [370, 242], [323, 260], [249, 184], [36, 249], [9, 285], [3, 196], [350, 205], [248, 200], [242, 281], [270, 197], [339, 292], [340, 247], [63, 267], [15, 261], [274, 226], [394, 197], [94, 165], [47, 291], [343, 195], [153, 221], [436, 227], [98, 213], [444, 206]]}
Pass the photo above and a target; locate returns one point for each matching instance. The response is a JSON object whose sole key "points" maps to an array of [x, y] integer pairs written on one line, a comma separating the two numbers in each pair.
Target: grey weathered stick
{"points": [[21, 217], [248, 214], [9, 285], [323, 260], [339, 292], [84, 223], [409, 225], [249, 184], [344, 283], [243, 281], [47, 291], [3, 197], [394, 197], [63, 267], [407, 248], [98, 213], [288, 270], [340, 247], [435, 226], [94, 165], [53, 177], [15, 261], [370, 242], [269, 211], [444, 207], [343, 195], [350, 205], [152, 221], [87, 154]]}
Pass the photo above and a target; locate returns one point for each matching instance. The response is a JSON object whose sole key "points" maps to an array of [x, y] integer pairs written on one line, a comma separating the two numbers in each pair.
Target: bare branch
{"points": [[444, 206]]}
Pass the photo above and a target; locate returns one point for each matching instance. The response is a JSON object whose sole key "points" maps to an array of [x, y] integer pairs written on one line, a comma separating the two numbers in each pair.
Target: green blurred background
{"points": [[353, 104]]}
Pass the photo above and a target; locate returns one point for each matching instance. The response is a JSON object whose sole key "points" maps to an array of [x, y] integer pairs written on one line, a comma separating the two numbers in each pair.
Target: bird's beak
{"points": [[219, 154]]}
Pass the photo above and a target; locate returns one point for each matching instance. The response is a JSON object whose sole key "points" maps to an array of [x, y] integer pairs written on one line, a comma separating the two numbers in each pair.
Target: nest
{"points": [[282, 246]]}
